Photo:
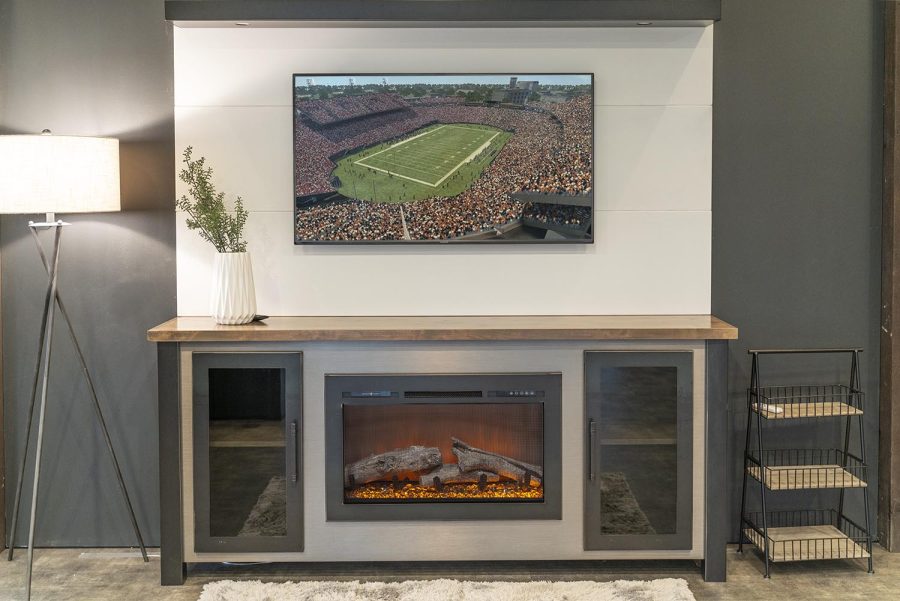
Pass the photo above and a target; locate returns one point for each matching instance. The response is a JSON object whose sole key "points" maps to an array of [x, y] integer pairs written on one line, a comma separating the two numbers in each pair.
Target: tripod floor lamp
{"points": [[57, 174]]}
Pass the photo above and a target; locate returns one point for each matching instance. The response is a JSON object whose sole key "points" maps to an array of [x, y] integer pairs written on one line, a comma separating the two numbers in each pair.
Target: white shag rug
{"points": [[666, 589]]}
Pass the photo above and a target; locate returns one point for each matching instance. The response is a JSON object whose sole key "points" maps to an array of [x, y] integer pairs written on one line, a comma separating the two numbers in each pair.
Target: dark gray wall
{"points": [[99, 67], [797, 197]]}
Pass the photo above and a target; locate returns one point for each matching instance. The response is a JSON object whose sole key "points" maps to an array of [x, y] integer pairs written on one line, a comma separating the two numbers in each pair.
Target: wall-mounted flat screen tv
{"points": [[443, 158]]}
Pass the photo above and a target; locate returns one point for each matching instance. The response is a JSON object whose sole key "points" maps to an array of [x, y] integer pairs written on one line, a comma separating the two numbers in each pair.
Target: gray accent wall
{"points": [[91, 68], [797, 133]]}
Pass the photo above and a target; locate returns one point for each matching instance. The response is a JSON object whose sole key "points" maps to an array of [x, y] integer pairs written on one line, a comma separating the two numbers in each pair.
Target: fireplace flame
{"points": [[385, 491]]}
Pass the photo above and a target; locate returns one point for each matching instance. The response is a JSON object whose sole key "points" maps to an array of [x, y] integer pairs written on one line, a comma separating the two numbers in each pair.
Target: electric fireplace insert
{"points": [[461, 446]]}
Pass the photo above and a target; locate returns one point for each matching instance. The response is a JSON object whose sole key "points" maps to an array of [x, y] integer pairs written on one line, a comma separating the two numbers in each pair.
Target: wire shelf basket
{"points": [[801, 469], [807, 535], [806, 401]]}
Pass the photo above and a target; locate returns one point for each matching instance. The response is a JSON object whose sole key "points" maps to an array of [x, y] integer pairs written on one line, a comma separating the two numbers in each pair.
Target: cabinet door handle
{"points": [[592, 446], [295, 475]]}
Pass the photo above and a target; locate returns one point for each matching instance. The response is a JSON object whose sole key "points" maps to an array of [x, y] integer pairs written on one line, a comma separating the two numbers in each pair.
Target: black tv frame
{"points": [[449, 241]]}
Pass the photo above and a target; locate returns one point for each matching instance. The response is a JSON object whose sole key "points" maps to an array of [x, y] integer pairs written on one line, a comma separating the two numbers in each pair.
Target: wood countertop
{"points": [[487, 327]]}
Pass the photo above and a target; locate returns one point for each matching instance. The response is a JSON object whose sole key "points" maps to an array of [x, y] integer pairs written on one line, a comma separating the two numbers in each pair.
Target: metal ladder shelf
{"points": [[805, 534]]}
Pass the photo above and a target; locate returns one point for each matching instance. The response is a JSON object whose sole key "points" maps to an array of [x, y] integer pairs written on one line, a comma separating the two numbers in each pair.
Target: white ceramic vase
{"points": [[232, 298]]}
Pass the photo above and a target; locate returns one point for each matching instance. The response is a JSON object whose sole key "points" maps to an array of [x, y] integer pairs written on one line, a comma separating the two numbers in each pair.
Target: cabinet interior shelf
{"points": [[637, 434], [628, 442], [246, 433]]}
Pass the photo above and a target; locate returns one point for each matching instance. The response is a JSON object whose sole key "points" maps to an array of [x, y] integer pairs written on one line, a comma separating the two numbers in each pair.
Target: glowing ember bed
{"points": [[406, 491]]}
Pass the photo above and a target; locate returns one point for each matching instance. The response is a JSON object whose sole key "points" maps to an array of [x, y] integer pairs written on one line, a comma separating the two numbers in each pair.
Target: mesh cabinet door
{"points": [[638, 433], [246, 461]]}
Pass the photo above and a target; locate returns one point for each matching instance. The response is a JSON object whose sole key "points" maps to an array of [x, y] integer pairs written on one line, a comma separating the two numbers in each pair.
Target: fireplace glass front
{"points": [[479, 446], [443, 452]]}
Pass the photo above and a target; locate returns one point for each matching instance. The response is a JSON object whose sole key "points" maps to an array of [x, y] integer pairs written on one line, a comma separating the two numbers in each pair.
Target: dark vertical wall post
{"points": [[2, 437], [796, 214], [172, 569], [716, 464], [889, 414], [92, 68]]}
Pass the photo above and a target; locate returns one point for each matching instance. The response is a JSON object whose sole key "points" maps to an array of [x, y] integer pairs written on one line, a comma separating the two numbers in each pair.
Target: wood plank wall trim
{"points": [[362, 12], [889, 410]]}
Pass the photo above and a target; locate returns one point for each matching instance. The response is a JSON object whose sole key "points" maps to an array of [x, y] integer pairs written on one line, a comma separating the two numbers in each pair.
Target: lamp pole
{"points": [[47, 335]]}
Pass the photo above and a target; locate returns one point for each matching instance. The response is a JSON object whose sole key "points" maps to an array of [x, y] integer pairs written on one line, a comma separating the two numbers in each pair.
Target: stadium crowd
{"points": [[550, 153], [334, 110], [350, 220], [568, 169], [557, 214]]}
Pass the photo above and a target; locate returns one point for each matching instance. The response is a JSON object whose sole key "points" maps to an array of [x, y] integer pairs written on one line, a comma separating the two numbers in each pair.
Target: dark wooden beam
{"points": [[2, 453], [889, 410], [463, 12]]}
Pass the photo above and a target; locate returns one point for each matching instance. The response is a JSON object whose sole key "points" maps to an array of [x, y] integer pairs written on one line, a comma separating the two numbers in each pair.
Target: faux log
{"points": [[449, 473], [472, 459], [391, 464]]}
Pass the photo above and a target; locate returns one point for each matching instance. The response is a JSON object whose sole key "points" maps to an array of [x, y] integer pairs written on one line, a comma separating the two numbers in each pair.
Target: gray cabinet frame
{"points": [[292, 375], [683, 361], [171, 455]]}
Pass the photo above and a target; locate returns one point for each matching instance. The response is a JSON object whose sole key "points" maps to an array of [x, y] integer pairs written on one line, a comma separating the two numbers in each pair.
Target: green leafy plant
{"points": [[206, 208]]}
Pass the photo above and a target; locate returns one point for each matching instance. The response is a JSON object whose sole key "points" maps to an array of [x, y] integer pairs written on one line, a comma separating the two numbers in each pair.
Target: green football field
{"points": [[438, 160]]}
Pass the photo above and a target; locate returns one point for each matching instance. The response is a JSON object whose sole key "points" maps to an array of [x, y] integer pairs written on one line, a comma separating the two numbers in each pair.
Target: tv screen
{"points": [[446, 158]]}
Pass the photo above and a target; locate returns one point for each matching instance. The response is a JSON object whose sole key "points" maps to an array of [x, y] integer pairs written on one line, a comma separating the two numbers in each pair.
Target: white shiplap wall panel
{"points": [[249, 149], [653, 158], [642, 263], [653, 168], [241, 67]]}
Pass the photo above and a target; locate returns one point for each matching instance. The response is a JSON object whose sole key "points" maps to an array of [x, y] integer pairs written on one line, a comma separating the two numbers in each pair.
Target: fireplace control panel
{"points": [[516, 393], [369, 394]]}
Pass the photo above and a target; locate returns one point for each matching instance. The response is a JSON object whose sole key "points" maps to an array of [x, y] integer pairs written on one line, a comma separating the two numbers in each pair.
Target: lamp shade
{"points": [[58, 174]]}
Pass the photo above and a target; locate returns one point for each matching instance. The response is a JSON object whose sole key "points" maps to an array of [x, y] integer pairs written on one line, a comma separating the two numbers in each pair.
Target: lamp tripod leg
{"points": [[97, 409], [48, 345], [34, 388]]}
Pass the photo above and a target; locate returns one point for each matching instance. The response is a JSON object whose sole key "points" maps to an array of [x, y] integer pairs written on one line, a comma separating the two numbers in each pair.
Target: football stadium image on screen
{"points": [[443, 158]]}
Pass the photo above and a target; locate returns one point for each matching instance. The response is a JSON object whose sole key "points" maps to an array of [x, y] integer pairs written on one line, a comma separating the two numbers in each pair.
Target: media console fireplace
{"points": [[461, 446], [309, 439]]}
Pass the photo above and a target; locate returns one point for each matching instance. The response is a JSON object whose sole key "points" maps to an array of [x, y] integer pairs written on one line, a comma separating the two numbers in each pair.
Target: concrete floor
{"points": [[108, 574]]}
